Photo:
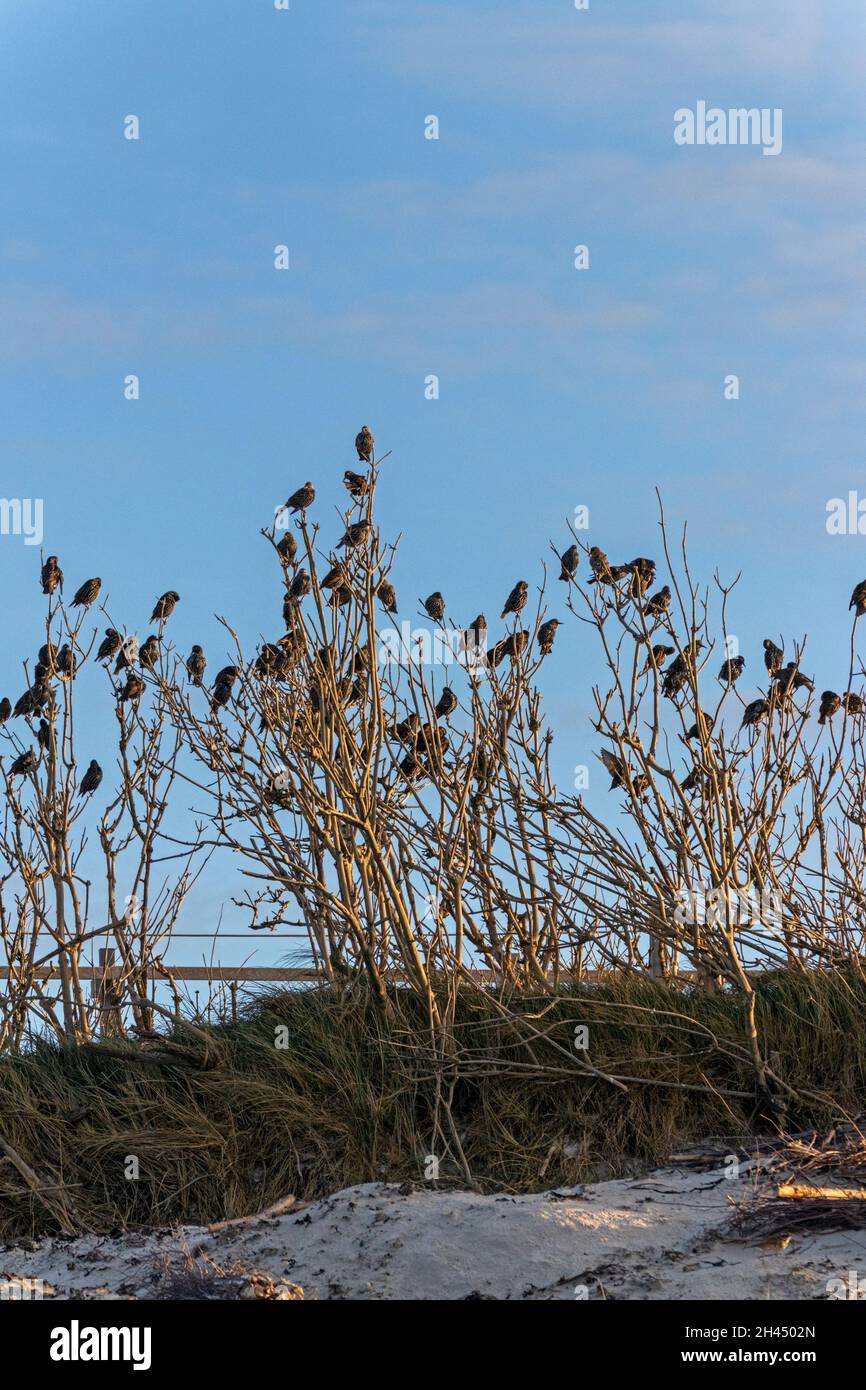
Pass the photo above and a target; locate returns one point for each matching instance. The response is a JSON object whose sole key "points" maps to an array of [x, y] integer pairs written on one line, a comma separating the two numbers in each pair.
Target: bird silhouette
{"points": [[109, 644], [854, 704], [732, 669], [435, 606], [643, 573], [336, 577], [43, 734], [165, 606], [5, 709], [387, 596], [287, 548], [616, 768], [24, 763], [91, 779], [598, 563], [132, 690], [788, 677], [475, 635], [364, 443], [51, 576], [660, 654], [754, 713], [569, 562], [355, 483], [516, 601], [299, 587], [356, 534], [772, 656], [547, 635], [830, 704], [195, 664], [659, 603], [128, 654], [858, 598], [88, 592], [446, 704], [149, 653], [302, 499]]}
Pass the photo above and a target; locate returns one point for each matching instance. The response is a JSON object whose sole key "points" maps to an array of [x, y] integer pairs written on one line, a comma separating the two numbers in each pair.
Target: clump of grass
{"points": [[356, 1096]]}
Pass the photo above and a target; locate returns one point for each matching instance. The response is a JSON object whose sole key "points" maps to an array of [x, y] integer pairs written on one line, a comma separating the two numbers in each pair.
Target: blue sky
{"points": [[411, 257]]}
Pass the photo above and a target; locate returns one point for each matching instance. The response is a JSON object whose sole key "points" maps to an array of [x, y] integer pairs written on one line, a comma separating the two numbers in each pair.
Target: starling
{"points": [[407, 729], [830, 704], [43, 734], [435, 606], [109, 645], [660, 654], [227, 676], [364, 443], [658, 604], [5, 709], [772, 656], [788, 678], [65, 662], [91, 779], [616, 768], [222, 693], [516, 601], [569, 563], [693, 780], [24, 763], [269, 661], [732, 669], [302, 499], [547, 634], [598, 563], [133, 690], [514, 644], [32, 701], [858, 599], [754, 713], [47, 657], [694, 731], [299, 588], [475, 635], [411, 766], [387, 596], [618, 572], [677, 673], [195, 664], [854, 704], [643, 573], [52, 575], [355, 483], [496, 652], [164, 606], [335, 578], [446, 704], [128, 654], [356, 534], [149, 653], [87, 593], [287, 548]]}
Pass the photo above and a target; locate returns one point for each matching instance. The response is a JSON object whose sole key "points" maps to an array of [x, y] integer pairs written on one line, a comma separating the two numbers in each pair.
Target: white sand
{"points": [[650, 1238]]}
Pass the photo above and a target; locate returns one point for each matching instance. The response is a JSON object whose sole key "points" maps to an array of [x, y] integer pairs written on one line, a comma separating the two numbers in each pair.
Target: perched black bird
{"points": [[148, 654], [854, 704], [364, 443], [658, 604], [195, 664], [355, 483], [788, 678], [269, 660], [302, 499], [677, 673], [475, 635], [5, 709], [52, 575], [109, 645], [335, 578], [694, 731], [88, 592], [569, 563], [616, 768], [830, 704], [598, 563], [732, 669], [91, 779], [435, 606], [128, 654], [547, 634], [356, 534], [446, 704], [387, 596], [32, 701], [47, 657], [660, 654], [43, 734], [407, 729], [222, 693], [514, 645], [164, 606], [643, 573], [858, 598], [287, 548], [754, 713], [227, 676], [133, 690], [516, 601], [299, 587], [65, 662], [24, 763], [772, 656]]}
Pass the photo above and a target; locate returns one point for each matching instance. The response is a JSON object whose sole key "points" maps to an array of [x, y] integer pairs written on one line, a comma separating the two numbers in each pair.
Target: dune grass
{"points": [[354, 1096]]}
